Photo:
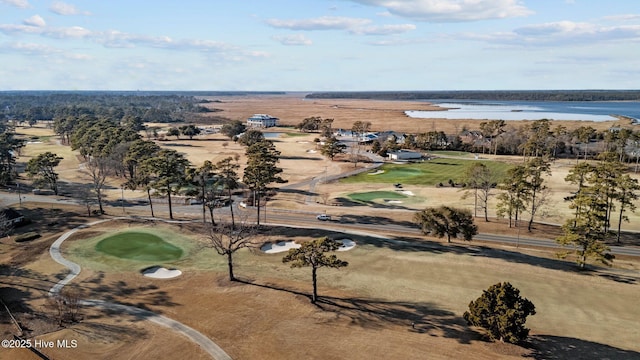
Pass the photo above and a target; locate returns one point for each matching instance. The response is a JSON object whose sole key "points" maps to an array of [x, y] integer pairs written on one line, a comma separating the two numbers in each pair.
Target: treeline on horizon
{"points": [[504, 95], [29, 106]]}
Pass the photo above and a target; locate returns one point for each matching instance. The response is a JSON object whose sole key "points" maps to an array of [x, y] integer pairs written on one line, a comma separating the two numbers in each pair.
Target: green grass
{"points": [[451, 153], [139, 246], [296, 134], [429, 172], [373, 195]]}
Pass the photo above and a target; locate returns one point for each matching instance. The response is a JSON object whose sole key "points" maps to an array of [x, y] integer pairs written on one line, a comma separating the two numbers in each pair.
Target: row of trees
{"points": [[115, 148], [31, 107], [603, 187], [537, 138]]}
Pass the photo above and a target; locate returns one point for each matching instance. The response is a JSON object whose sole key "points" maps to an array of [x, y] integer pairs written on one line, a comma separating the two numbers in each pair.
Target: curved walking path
{"points": [[204, 342]]}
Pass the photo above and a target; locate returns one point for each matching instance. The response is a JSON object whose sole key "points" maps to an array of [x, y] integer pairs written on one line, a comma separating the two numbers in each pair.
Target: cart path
{"points": [[204, 342]]}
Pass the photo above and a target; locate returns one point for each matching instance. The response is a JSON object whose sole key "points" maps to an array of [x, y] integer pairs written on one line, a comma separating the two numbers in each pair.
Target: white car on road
{"points": [[323, 217]]}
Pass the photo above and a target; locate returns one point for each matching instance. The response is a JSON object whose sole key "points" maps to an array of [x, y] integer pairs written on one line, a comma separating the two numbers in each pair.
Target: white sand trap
{"points": [[347, 244], [408, 192], [311, 151], [159, 272], [378, 172], [302, 142], [280, 246], [394, 202]]}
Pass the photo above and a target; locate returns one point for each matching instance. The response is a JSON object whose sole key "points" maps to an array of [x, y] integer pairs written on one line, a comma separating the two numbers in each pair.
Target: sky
{"points": [[319, 45]]}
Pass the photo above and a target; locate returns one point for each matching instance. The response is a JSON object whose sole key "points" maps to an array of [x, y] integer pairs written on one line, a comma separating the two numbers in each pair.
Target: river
{"points": [[531, 110]]}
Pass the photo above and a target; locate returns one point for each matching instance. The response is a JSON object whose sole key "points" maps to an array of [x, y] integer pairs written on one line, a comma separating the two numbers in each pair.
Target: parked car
{"points": [[323, 217]]}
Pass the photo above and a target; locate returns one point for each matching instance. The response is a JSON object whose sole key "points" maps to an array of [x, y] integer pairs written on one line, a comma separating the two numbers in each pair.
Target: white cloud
{"points": [[384, 29], [623, 17], [571, 32], [35, 49], [74, 32], [452, 10], [62, 8], [31, 48], [35, 20], [356, 26], [294, 40], [321, 23], [10, 29], [23, 4], [565, 33]]}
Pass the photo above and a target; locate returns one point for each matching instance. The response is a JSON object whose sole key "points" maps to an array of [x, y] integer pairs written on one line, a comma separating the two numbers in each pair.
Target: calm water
{"points": [[532, 110]]}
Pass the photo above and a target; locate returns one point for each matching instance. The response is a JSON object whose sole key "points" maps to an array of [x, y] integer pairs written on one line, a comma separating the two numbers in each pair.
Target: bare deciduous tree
{"points": [[66, 305], [227, 239]]}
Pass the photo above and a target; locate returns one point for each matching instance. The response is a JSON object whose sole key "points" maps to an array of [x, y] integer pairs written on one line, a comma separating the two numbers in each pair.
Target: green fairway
{"points": [[373, 195], [429, 172], [139, 246]]}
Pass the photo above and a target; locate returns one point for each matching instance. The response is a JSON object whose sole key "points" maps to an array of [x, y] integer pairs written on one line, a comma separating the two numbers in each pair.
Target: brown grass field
{"points": [[367, 308]]}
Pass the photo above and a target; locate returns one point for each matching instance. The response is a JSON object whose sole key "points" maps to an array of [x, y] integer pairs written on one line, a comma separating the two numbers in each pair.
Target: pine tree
{"points": [[312, 254], [502, 312]]}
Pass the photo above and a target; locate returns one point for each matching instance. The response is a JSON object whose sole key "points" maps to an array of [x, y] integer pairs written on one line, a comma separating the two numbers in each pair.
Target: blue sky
{"points": [[315, 45]]}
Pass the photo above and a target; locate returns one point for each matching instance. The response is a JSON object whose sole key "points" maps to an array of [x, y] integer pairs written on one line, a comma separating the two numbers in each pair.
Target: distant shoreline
{"points": [[498, 95]]}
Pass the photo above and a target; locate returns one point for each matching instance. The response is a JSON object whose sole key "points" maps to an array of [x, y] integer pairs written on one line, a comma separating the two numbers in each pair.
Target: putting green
{"points": [[139, 246]]}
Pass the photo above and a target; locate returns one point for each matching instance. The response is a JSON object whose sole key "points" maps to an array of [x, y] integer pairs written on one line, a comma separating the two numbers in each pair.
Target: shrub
{"points": [[502, 312]]}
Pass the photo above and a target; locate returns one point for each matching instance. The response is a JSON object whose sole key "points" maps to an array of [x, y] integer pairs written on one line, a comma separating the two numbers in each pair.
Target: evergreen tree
{"points": [[511, 202], [446, 221], [332, 147], [227, 171], [502, 312], [41, 170], [313, 254], [261, 170], [586, 232], [167, 170]]}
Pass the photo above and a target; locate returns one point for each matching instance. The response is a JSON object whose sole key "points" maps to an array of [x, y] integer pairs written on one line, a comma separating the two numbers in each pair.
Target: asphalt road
{"points": [[301, 218], [309, 219]]}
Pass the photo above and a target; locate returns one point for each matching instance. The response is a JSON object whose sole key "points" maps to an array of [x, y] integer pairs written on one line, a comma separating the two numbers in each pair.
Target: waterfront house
{"points": [[262, 121]]}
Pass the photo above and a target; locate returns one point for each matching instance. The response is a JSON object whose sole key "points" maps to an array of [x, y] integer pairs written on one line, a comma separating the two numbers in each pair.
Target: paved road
{"points": [[289, 217], [204, 342], [306, 217]]}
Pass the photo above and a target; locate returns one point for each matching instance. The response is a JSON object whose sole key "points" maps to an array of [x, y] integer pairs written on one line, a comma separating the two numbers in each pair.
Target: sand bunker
{"points": [[159, 272], [311, 151], [280, 246], [283, 246], [377, 172], [347, 244], [407, 192], [394, 202]]}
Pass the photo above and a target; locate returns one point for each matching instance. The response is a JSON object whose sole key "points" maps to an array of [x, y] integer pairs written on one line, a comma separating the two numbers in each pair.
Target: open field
{"points": [[368, 307]]}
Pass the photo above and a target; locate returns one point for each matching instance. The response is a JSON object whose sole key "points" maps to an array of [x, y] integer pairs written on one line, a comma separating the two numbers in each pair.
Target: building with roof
{"points": [[404, 155], [262, 121]]}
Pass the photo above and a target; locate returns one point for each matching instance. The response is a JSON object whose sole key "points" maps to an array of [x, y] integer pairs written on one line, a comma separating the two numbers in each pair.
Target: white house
{"points": [[404, 155], [262, 121]]}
